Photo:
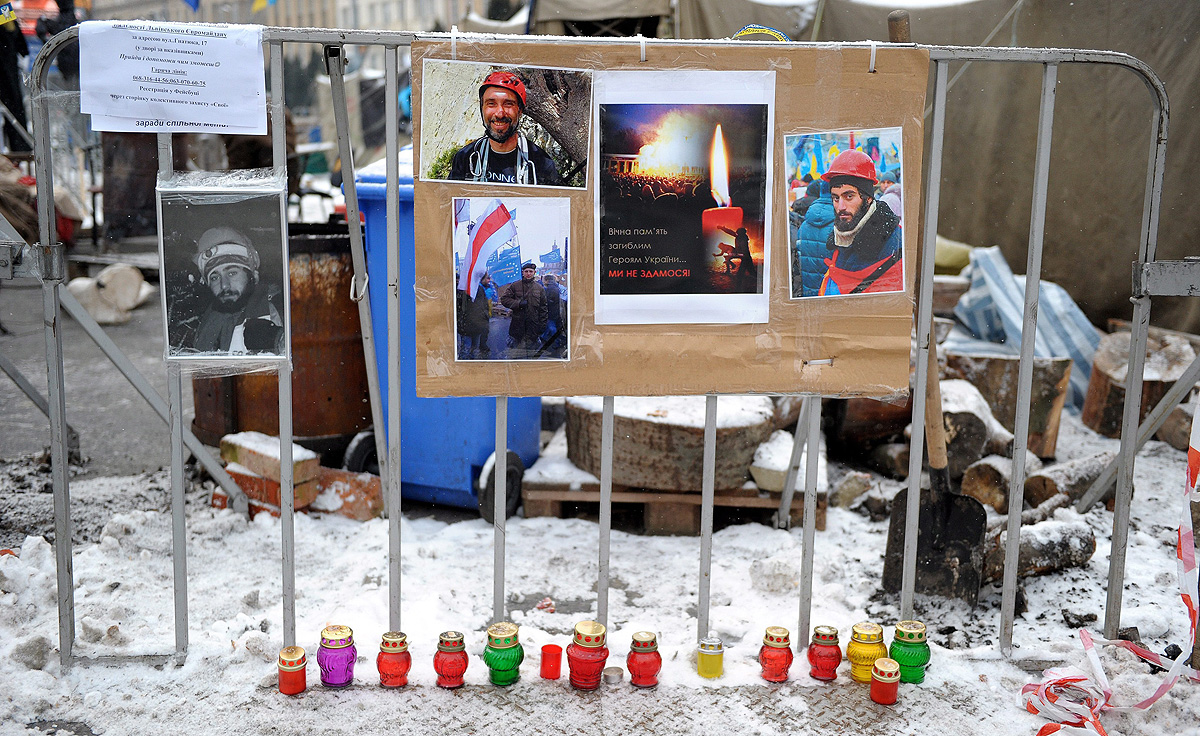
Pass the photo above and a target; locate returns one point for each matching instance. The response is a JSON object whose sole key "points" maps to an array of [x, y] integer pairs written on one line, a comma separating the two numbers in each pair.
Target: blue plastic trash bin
{"points": [[444, 443]]}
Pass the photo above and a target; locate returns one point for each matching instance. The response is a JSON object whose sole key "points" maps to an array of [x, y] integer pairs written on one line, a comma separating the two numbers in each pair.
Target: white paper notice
{"points": [[172, 77]]}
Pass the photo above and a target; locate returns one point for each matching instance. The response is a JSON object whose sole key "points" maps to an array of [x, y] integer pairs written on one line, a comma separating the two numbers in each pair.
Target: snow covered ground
{"points": [[227, 683]]}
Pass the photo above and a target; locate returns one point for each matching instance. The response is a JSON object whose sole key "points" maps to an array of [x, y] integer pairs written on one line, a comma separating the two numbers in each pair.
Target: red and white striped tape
{"points": [[1073, 702]]}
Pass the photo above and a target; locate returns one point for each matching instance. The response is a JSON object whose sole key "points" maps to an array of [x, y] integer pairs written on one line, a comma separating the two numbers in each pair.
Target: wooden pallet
{"points": [[665, 512]]}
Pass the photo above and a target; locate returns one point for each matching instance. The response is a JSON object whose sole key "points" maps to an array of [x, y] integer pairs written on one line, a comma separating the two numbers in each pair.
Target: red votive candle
{"points": [[551, 661], [885, 681], [293, 672]]}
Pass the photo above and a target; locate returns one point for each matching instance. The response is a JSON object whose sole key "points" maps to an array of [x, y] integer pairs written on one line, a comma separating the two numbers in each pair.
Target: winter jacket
{"points": [[473, 313], [814, 234], [527, 300], [877, 254]]}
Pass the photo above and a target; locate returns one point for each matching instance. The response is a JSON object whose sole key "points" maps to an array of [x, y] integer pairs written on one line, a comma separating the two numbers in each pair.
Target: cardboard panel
{"points": [[866, 336]]}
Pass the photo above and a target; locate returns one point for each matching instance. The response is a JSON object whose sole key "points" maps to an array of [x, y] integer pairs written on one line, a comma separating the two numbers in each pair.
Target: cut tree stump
{"points": [[988, 479], [1046, 547], [996, 378], [1176, 431], [1071, 479], [658, 443], [1167, 357]]}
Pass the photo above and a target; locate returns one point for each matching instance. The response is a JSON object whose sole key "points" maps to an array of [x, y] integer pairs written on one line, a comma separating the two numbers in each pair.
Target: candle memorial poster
{"points": [[845, 221], [683, 223], [505, 125], [510, 277]]}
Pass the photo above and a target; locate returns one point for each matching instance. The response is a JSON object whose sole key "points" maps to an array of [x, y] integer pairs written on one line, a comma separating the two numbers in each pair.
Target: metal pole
{"points": [[391, 116], [175, 422], [783, 516], [923, 328], [812, 419], [178, 511], [606, 460], [337, 84], [53, 269], [1153, 422], [27, 388], [287, 491], [499, 508], [708, 485], [1033, 279]]}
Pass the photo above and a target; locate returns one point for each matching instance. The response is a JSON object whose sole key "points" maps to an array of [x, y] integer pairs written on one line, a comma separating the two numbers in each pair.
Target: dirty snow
{"points": [[226, 685]]}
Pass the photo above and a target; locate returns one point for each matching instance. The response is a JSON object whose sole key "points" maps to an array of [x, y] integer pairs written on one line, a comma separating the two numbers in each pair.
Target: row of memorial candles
{"points": [[870, 660]]}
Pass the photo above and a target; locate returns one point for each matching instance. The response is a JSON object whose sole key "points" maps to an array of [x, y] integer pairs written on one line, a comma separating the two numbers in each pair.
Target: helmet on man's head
{"points": [[219, 246], [504, 80], [851, 163]]}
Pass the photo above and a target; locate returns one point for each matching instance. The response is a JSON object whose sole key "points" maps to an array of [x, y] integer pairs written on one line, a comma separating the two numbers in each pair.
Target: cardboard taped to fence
{"points": [[667, 253]]}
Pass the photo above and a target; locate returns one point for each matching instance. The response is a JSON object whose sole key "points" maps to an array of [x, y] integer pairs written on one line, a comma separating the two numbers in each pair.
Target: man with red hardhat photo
{"points": [[867, 252], [504, 155]]}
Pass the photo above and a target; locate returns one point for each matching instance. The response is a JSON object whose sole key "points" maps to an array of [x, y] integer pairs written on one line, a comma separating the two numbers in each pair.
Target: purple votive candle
{"points": [[336, 656]]}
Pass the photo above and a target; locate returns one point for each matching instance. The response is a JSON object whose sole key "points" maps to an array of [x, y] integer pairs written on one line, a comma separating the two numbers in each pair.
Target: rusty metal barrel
{"points": [[330, 398]]}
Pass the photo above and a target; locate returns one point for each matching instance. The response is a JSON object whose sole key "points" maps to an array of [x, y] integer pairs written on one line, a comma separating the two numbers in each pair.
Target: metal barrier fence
{"points": [[48, 262]]}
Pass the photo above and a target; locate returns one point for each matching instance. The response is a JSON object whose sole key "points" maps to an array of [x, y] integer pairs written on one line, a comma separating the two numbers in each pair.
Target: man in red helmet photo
{"points": [[503, 155], [867, 252]]}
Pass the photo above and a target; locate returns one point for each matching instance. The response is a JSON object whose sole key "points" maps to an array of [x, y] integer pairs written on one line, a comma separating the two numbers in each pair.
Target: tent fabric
{"points": [[560, 10], [993, 309], [1102, 131]]}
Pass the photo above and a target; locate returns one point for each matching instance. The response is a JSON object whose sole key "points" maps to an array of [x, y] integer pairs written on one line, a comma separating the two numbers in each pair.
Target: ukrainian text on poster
{"points": [[163, 77], [683, 216]]}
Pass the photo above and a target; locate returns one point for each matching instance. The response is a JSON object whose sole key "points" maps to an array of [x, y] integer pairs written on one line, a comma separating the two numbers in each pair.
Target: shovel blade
{"points": [[952, 569]]}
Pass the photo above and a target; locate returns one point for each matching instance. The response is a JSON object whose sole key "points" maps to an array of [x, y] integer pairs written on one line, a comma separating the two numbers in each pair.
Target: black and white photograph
{"points": [[223, 256], [490, 124]]}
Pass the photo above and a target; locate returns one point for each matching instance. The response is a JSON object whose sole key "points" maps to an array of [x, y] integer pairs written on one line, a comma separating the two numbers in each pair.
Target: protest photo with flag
{"points": [[511, 278]]}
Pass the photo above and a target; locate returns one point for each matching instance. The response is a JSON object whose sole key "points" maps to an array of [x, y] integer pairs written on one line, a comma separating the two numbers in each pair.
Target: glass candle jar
{"points": [[503, 654], [885, 681], [910, 649], [643, 661], [866, 645], [336, 656], [393, 661], [450, 661], [776, 656], [710, 657], [824, 653], [293, 670], [586, 655]]}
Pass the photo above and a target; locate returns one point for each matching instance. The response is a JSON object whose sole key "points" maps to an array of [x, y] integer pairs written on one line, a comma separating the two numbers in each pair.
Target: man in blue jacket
{"points": [[811, 250]]}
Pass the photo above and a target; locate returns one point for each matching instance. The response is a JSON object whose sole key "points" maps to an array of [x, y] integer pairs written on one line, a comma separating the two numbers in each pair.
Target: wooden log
{"points": [[988, 480], [1032, 516], [970, 426], [659, 443], [853, 426], [1166, 360], [1046, 547], [996, 378], [890, 459], [1177, 429], [1071, 479]]}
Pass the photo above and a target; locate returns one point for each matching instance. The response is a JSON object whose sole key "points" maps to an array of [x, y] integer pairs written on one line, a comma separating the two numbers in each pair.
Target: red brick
{"points": [[266, 490], [357, 496], [260, 454], [220, 500]]}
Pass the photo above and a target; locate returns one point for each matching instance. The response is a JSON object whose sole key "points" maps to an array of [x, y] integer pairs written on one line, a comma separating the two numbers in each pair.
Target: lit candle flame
{"points": [[719, 170]]}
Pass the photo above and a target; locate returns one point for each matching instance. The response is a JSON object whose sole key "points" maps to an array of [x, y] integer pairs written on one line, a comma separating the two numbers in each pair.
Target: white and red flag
{"points": [[495, 227]]}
